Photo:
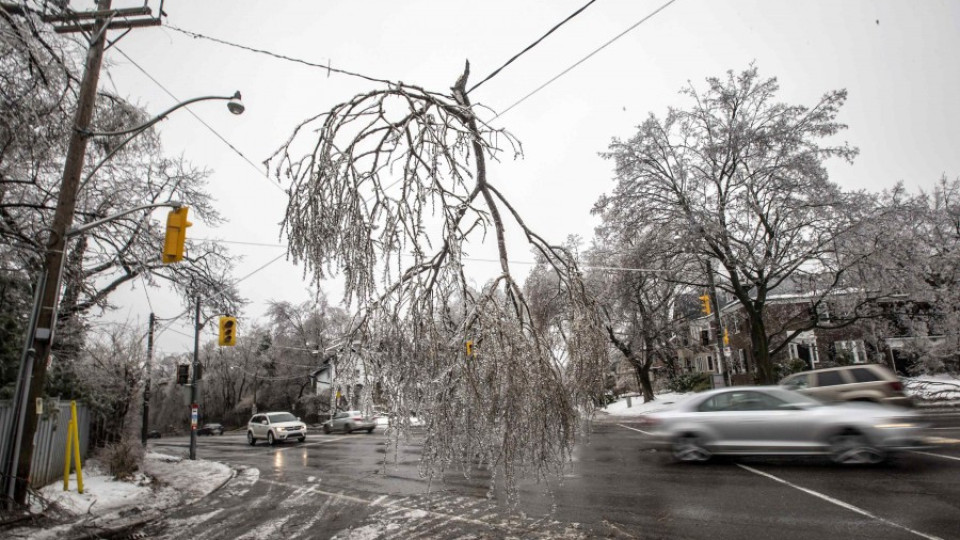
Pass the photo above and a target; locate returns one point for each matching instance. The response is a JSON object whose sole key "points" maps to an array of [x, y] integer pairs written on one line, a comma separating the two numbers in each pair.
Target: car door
{"points": [[746, 421]]}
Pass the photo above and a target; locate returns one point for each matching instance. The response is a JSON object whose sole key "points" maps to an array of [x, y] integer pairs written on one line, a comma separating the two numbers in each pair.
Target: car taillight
{"points": [[649, 420], [358, 418], [896, 386]]}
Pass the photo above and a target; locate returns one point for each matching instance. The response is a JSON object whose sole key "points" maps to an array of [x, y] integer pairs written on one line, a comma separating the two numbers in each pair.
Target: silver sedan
{"points": [[768, 420]]}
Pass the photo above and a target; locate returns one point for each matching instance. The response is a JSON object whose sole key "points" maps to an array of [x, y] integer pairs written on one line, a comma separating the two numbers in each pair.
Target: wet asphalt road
{"points": [[337, 486]]}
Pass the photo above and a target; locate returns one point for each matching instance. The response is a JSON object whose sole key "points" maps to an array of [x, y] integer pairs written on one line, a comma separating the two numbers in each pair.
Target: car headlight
{"points": [[895, 425]]}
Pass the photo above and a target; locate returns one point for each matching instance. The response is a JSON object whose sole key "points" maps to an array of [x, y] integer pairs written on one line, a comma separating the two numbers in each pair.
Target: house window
{"points": [[806, 351], [710, 363], [854, 348], [705, 337]]}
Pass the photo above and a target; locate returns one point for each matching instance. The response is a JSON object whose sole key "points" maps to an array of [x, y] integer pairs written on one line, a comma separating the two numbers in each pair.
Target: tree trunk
{"points": [[643, 373], [761, 349]]}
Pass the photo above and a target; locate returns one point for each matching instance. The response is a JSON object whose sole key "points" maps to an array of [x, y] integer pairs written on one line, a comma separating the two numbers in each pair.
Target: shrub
{"points": [[689, 382], [122, 458]]}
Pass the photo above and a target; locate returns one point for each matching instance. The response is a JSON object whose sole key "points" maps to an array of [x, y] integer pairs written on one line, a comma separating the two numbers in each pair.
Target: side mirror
{"points": [[298, 419]]}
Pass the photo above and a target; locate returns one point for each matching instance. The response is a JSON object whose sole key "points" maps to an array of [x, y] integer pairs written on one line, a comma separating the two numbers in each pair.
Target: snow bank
{"points": [[941, 389], [164, 482]]}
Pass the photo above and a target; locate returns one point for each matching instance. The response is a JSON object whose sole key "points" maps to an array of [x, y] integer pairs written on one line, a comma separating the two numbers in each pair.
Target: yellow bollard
{"points": [[73, 450]]}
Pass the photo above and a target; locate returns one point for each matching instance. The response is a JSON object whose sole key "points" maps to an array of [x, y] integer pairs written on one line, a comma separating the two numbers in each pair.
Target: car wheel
{"points": [[270, 440], [347, 428], [326, 429], [301, 439], [688, 448], [250, 439], [369, 431], [850, 447]]}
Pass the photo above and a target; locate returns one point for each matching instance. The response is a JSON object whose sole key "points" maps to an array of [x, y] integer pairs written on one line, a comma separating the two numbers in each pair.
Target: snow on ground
{"points": [[164, 482], [943, 388], [638, 407]]}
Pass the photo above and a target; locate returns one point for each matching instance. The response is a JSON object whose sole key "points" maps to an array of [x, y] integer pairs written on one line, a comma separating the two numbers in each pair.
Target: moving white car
{"points": [[349, 421], [770, 420], [274, 427]]}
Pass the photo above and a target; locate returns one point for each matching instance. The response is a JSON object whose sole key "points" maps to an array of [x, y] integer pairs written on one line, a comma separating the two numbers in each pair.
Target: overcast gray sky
{"points": [[897, 59]]}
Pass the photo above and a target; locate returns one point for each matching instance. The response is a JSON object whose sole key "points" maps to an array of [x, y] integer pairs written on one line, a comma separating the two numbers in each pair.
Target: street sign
{"points": [[194, 416]]}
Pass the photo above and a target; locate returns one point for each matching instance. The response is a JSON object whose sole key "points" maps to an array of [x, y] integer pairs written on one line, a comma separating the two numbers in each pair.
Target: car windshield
{"points": [[282, 417]]}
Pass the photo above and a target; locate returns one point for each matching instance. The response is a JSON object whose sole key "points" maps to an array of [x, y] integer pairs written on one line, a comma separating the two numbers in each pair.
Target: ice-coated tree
{"points": [[638, 276], [38, 81], [391, 193], [739, 179]]}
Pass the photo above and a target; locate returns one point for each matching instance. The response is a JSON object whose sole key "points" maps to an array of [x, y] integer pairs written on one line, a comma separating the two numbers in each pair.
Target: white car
{"points": [[274, 427]]}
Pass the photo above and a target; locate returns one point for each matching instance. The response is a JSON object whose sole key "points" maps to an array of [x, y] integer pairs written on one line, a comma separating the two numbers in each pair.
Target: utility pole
{"points": [[718, 323], [146, 387], [193, 382], [62, 220]]}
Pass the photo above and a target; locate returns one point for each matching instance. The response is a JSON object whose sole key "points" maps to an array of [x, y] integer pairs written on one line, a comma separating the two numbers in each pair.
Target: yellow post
{"points": [[66, 457], [73, 450], [76, 445]]}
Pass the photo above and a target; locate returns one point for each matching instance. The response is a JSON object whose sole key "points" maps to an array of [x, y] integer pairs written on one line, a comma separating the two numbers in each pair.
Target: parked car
{"points": [[350, 421], [154, 434], [210, 429], [275, 427], [859, 382], [770, 420]]}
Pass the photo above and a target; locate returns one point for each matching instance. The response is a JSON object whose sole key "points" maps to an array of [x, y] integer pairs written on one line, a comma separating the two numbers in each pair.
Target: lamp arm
{"points": [[75, 231]]}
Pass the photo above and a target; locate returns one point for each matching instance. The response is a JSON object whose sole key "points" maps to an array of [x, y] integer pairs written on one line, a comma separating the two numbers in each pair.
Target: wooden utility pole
{"points": [[144, 429]]}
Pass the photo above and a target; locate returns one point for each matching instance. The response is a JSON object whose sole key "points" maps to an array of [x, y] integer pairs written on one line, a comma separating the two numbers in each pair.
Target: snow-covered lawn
{"points": [[164, 482], [638, 407]]}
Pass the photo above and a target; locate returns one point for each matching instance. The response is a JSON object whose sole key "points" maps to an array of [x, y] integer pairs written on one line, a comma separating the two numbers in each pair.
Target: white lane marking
{"points": [[839, 503], [635, 429], [955, 458]]}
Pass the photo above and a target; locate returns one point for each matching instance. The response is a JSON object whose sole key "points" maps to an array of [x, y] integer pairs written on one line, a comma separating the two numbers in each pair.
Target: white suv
{"points": [[275, 426]]}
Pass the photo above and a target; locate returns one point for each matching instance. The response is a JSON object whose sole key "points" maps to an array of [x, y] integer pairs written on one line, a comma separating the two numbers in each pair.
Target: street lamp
{"points": [[40, 333]]}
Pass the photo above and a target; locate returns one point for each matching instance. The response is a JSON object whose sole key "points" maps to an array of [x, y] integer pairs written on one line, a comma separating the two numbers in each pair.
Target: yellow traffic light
{"points": [[176, 235], [705, 304], [726, 337], [469, 348], [228, 331]]}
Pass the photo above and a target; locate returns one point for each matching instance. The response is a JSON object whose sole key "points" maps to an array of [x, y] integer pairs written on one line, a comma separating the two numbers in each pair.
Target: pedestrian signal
{"points": [[183, 374]]}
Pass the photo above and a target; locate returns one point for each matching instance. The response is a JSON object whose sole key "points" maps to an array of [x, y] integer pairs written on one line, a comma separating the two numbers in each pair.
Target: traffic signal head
{"points": [[705, 304], [228, 331], [176, 235], [183, 374]]}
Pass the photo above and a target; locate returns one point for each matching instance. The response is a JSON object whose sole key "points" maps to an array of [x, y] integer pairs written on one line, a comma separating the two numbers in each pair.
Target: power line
{"points": [[584, 59], [532, 45], [205, 124], [327, 67]]}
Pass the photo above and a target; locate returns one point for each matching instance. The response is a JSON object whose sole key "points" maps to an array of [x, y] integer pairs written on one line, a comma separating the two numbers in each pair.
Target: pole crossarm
{"points": [[75, 231]]}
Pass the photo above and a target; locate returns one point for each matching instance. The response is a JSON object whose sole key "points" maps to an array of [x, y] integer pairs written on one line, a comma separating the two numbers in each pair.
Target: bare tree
{"points": [[740, 179], [392, 192], [638, 276]]}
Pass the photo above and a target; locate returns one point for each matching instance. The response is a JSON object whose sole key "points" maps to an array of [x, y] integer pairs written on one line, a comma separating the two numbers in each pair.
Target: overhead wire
{"points": [[201, 120], [584, 59], [328, 67], [532, 45]]}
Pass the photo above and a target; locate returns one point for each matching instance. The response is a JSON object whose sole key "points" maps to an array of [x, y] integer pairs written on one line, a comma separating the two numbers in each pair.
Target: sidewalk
{"points": [[109, 506]]}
